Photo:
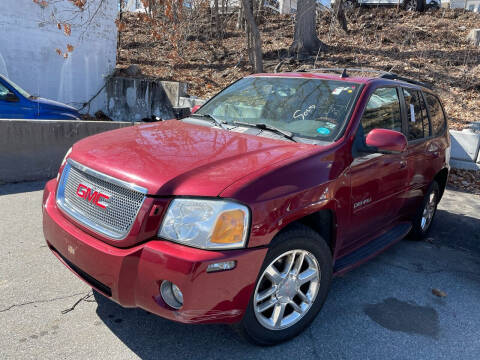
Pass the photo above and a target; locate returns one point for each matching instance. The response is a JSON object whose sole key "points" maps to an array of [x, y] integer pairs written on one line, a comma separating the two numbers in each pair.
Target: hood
{"points": [[46, 104], [176, 158]]}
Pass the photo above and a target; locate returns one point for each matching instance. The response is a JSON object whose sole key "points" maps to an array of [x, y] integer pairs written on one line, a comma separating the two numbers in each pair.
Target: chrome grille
{"points": [[121, 208]]}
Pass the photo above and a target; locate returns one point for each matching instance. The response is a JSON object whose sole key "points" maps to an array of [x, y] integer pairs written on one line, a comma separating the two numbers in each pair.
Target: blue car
{"points": [[16, 103]]}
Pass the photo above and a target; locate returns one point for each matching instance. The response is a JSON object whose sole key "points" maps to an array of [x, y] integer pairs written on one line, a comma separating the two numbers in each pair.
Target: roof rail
{"points": [[381, 74], [392, 76], [345, 71]]}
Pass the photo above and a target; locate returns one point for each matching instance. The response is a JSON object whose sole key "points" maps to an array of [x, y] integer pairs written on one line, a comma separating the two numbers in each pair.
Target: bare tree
{"points": [[217, 18], [254, 41], [340, 14], [305, 40]]}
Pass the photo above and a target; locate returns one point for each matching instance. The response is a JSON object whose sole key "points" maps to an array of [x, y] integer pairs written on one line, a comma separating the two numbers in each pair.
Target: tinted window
{"points": [[426, 122], [415, 115], [436, 115], [382, 111], [3, 92], [309, 108]]}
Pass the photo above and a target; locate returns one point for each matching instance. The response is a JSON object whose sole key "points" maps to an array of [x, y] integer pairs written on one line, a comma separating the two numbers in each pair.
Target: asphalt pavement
{"points": [[384, 309]]}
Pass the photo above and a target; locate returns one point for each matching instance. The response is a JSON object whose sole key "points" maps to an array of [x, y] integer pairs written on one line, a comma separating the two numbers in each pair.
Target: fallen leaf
{"points": [[67, 29]]}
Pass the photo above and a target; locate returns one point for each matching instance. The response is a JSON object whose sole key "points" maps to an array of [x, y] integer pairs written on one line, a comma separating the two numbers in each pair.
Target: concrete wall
{"points": [[472, 5], [133, 99], [133, 5], [34, 149], [465, 152], [29, 39]]}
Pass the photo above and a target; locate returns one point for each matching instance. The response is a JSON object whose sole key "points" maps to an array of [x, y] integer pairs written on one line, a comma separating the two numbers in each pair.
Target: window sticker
{"points": [[323, 131], [412, 113], [339, 90]]}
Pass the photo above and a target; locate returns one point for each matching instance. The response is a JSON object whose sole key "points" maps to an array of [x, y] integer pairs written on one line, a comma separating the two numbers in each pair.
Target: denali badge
{"points": [[94, 197]]}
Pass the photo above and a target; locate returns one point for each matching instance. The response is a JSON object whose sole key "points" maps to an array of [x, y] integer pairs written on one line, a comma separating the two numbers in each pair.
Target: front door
{"points": [[378, 181]]}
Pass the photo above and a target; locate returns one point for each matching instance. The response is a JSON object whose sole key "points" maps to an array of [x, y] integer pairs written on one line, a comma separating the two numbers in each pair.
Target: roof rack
{"points": [[381, 74], [392, 76]]}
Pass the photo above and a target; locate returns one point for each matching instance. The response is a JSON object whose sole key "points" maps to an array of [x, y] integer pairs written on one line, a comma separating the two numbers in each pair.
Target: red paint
{"points": [[92, 196], [195, 108], [279, 181], [387, 140]]}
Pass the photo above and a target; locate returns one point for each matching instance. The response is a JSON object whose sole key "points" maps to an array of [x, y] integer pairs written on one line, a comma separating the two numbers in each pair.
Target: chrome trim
{"points": [[108, 178], [79, 216]]}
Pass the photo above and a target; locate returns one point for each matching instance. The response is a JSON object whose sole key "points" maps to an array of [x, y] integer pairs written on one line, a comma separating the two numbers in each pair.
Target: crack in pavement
{"points": [[42, 301]]}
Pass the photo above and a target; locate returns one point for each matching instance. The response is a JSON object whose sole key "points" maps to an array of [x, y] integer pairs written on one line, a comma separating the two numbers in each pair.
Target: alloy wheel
{"points": [[411, 5], [287, 289], [428, 211]]}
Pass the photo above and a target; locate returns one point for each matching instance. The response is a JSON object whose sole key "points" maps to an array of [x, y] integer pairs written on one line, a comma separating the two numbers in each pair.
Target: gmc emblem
{"points": [[94, 197]]}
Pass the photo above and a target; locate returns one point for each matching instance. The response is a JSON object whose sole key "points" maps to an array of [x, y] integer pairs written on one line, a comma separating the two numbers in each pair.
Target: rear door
{"points": [[419, 154], [377, 180]]}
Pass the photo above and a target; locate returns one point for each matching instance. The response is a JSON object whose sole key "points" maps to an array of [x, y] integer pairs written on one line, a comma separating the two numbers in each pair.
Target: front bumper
{"points": [[132, 276]]}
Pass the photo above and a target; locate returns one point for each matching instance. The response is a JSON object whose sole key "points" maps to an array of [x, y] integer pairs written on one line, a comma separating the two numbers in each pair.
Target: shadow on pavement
{"points": [[23, 187], [456, 230]]}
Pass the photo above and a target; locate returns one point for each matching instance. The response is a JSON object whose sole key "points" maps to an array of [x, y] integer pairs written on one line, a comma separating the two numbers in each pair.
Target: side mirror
{"points": [[11, 97], [388, 141], [195, 108]]}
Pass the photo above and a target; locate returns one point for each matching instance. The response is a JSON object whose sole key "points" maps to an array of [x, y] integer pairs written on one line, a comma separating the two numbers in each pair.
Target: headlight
{"points": [[206, 224]]}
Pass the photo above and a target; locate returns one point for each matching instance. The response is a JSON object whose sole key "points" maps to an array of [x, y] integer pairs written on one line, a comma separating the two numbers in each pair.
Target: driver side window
{"points": [[3, 92], [382, 111]]}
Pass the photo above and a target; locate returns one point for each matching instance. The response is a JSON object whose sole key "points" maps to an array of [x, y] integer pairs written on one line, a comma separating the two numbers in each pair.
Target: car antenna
{"points": [[344, 73]]}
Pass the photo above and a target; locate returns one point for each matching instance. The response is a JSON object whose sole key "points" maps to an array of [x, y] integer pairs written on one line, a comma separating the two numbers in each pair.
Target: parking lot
{"points": [[384, 309]]}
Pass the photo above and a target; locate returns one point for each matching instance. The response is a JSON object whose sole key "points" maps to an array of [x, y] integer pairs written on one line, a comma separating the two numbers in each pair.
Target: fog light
{"points": [[171, 294], [221, 266]]}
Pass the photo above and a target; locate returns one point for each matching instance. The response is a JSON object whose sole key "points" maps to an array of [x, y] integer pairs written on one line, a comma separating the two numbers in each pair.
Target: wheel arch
{"points": [[322, 222], [441, 178]]}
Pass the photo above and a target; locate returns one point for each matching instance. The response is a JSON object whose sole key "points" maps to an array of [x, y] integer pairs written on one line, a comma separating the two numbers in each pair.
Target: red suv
{"points": [[243, 212]]}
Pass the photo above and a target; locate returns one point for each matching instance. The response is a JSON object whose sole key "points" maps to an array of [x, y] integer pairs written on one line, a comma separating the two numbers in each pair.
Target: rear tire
{"points": [[424, 217], [288, 295]]}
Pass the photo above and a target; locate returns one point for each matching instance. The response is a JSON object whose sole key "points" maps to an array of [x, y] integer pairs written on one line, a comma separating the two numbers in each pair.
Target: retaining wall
{"points": [[33, 149]]}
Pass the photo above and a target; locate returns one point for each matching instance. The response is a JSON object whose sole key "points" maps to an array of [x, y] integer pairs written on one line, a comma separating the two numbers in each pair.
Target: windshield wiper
{"points": [[211, 117], [286, 134]]}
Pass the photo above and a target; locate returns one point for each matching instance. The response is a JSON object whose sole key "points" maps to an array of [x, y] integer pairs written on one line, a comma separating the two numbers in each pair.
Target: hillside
{"points": [[430, 46]]}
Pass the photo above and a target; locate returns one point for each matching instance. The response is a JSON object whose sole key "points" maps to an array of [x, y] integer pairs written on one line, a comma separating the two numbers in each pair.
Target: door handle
{"points": [[403, 164]]}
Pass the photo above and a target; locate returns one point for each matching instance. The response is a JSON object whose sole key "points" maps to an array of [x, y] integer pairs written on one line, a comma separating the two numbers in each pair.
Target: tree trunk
{"points": [[305, 40], [254, 42], [240, 19], [217, 18], [340, 15]]}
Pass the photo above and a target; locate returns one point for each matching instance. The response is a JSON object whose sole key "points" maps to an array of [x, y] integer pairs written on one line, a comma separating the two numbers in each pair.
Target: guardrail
{"points": [[33, 149]]}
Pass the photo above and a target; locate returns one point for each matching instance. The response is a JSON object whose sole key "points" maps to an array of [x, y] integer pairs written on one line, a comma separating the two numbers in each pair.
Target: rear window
{"points": [[437, 117]]}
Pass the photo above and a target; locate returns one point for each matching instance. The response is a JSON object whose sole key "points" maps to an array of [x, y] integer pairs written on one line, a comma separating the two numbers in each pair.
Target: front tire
{"points": [[292, 286]]}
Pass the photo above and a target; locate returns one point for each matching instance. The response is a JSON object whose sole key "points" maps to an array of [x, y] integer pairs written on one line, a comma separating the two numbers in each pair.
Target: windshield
{"points": [[308, 108], [16, 87]]}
